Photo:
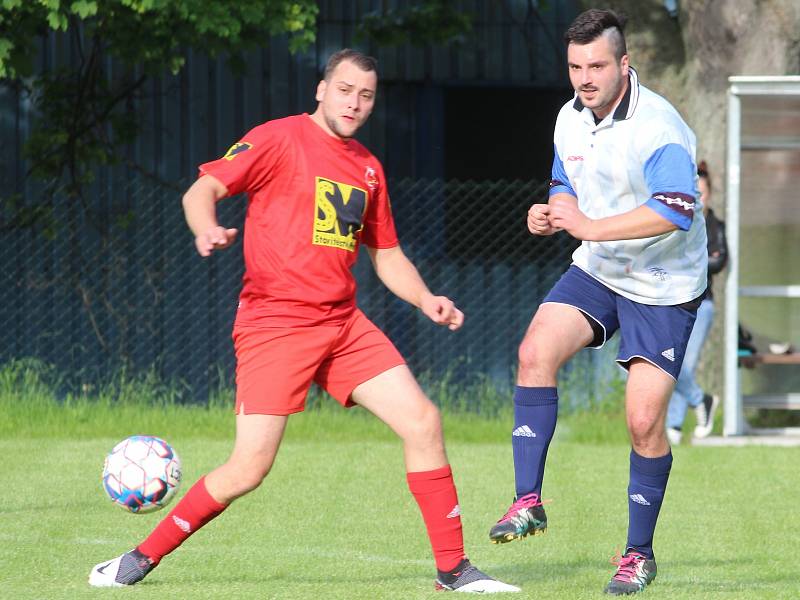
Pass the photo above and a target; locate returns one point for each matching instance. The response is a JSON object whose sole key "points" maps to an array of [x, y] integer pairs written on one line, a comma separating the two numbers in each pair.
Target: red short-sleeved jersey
{"points": [[312, 199]]}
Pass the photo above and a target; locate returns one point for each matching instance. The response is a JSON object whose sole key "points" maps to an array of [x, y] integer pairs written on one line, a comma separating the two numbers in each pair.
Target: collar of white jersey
{"points": [[627, 105]]}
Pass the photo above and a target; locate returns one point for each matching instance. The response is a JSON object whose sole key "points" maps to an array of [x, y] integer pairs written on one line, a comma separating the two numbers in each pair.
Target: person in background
{"points": [[687, 391]]}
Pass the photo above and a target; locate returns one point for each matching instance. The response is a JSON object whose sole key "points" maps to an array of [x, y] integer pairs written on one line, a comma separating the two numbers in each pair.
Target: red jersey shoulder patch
{"points": [[237, 148]]}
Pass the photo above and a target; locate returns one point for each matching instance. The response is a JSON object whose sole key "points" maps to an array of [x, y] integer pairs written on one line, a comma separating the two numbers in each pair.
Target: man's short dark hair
{"points": [[591, 24], [361, 60]]}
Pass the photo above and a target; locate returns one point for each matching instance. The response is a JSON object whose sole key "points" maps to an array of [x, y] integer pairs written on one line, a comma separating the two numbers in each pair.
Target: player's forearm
{"points": [[399, 275], [642, 222], [200, 205]]}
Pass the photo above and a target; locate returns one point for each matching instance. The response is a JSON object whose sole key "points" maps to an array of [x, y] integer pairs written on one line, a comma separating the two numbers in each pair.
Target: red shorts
{"points": [[276, 365]]}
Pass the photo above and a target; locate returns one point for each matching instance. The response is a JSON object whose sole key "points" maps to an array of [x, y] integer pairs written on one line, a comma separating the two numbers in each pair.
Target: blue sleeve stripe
{"points": [[670, 168], [559, 188], [560, 181], [680, 220]]}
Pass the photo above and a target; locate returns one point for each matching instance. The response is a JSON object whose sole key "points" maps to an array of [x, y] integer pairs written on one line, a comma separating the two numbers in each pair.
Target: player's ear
{"points": [[321, 87], [624, 64]]}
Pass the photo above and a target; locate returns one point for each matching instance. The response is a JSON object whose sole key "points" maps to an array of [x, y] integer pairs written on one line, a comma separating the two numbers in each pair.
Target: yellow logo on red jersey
{"points": [[236, 149], [339, 211]]}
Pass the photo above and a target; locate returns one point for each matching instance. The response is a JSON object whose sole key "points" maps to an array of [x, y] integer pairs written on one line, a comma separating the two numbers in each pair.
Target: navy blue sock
{"points": [[535, 413], [648, 482]]}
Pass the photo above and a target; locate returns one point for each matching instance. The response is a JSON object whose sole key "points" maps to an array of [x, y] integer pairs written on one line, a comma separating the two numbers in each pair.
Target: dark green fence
{"points": [[114, 282]]}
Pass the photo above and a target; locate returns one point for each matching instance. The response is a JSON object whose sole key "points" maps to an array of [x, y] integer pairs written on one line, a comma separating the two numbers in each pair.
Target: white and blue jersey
{"points": [[642, 153]]}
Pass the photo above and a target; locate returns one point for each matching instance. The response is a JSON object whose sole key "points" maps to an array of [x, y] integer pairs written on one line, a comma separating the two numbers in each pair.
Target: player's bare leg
{"points": [[556, 333], [258, 438], [395, 397], [646, 398]]}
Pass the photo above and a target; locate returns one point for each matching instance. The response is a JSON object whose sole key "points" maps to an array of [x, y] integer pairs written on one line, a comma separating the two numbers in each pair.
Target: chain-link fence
{"points": [[96, 286]]}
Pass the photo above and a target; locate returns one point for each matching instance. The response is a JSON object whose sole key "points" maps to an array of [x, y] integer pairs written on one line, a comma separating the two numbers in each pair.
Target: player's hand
{"points": [[538, 222], [565, 214], [215, 238], [442, 311]]}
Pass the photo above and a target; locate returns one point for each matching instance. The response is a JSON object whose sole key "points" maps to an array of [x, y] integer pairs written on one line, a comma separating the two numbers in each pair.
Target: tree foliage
{"points": [[153, 33], [434, 21], [84, 112]]}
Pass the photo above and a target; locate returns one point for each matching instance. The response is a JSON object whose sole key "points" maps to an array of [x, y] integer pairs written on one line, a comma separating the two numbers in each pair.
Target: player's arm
{"points": [[641, 222], [400, 275], [200, 210], [539, 214]]}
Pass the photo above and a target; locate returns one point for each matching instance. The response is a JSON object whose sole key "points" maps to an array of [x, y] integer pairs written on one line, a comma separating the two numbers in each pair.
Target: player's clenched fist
{"points": [[442, 311], [539, 221], [215, 238], [565, 214]]}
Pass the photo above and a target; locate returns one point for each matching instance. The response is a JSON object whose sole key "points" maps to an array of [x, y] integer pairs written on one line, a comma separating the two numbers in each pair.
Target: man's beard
{"points": [[334, 127]]}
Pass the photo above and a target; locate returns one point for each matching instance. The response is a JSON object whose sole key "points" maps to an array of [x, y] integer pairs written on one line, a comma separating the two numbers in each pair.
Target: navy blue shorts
{"points": [[658, 334]]}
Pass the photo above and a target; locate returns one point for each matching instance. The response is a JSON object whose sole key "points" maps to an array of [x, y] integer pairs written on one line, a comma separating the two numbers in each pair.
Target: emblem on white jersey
{"points": [[523, 431], [659, 273], [669, 354]]}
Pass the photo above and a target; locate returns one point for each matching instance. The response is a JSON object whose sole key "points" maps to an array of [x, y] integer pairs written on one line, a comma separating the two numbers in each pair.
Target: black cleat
{"points": [[524, 517], [634, 572]]}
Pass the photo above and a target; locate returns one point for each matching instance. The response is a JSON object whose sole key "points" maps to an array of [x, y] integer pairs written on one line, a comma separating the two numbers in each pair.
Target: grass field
{"points": [[335, 520]]}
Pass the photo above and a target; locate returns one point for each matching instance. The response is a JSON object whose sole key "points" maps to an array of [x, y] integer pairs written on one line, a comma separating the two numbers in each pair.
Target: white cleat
{"points": [[472, 580], [128, 569], [487, 586]]}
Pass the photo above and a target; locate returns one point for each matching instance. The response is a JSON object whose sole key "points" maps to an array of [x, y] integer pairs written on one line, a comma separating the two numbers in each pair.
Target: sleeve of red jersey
{"points": [[379, 230], [250, 162]]}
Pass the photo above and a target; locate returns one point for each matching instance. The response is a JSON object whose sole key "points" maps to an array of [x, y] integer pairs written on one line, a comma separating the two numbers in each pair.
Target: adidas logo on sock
{"points": [[523, 431], [639, 499], [669, 354], [182, 525], [455, 512]]}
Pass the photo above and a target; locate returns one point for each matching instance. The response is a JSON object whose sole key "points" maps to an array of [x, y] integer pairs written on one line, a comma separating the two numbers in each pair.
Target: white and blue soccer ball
{"points": [[142, 474]]}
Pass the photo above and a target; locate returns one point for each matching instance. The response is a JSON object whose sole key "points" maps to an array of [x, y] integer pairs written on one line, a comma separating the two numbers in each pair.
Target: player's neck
{"points": [[611, 106], [319, 119]]}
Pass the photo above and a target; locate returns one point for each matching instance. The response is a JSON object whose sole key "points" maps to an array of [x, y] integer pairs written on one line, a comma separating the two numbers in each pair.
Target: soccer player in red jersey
{"points": [[315, 195]]}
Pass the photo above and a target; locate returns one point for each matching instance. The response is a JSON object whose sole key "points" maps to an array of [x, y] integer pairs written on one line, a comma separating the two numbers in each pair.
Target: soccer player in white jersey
{"points": [[623, 182]]}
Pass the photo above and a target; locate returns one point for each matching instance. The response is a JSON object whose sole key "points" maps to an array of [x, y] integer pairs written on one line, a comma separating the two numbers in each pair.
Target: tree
{"points": [[432, 21], [84, 115]]}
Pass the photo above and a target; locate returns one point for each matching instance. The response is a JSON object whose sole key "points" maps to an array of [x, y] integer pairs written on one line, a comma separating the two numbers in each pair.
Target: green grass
{"points": [[335, 520]]}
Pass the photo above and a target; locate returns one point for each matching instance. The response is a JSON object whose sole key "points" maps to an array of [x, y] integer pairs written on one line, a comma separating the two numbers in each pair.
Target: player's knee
{"points": [[425, 427], [245, 476], [643, 431], [534, 358]]}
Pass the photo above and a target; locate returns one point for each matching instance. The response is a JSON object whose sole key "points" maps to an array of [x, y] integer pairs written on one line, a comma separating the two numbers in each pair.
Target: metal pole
{"points": [[733, 423]]}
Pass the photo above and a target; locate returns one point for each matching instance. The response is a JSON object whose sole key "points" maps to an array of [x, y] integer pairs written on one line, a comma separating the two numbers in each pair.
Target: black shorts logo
{"points": [[339, 209]]}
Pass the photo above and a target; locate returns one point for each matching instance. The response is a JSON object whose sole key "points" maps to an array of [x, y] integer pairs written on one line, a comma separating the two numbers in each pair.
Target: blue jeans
{"points": [[687, 393]]}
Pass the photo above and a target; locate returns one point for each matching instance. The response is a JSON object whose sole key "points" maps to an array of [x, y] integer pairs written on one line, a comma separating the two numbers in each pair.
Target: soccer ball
{"points": [[141, 474]]}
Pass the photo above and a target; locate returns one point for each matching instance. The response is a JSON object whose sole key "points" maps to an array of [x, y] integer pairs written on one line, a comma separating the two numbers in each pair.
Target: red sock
{"points": [[193, 511], [436, 495]]}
